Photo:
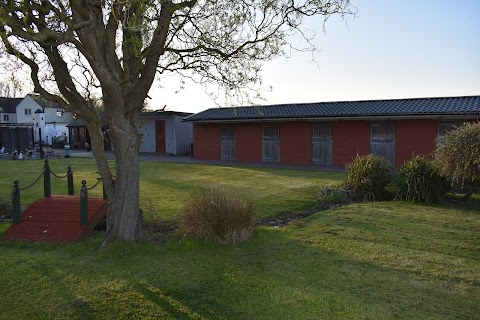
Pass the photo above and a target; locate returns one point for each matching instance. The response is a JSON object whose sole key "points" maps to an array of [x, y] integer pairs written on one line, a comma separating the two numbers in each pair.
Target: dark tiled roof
{"points": [[43, 102], [77, 123], [9, 105], [159, 113], [468, 106]]}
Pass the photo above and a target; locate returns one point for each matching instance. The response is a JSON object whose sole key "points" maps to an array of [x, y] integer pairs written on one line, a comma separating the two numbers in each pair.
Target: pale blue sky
{"points": [[392, 49]]}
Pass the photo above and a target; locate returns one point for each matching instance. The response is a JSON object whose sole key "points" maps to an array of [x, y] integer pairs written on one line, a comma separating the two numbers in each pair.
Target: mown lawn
{"points": [[166, 186], [362, 261]]}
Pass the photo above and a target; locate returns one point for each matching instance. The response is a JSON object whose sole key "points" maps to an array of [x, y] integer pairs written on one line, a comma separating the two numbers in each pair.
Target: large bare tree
{"points": [[81, 50]]}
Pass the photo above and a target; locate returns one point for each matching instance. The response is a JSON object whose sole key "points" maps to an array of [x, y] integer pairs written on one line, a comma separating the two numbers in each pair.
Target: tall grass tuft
{"points": [[368, 178], [419, 181], [217, 214], [333, 195], [6, 209]]}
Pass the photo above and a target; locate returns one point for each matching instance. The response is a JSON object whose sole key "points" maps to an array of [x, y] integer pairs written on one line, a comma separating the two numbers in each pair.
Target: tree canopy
{"points": [[458, 157], [79, 51]]}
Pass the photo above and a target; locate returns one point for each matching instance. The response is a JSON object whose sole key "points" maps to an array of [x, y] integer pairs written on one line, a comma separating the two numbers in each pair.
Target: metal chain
{"points": [[59, 177], [96, 184], [43, 171]]}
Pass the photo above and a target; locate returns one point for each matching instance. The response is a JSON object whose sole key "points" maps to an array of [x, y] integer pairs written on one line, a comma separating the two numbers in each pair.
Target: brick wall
{"points": [[414, 137], [349, 139], [296, 143], [206, 141], [248, 142]]}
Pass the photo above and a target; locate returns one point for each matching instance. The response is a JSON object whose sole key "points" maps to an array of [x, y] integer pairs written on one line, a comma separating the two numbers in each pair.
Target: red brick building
{"points": [[329, 133]]}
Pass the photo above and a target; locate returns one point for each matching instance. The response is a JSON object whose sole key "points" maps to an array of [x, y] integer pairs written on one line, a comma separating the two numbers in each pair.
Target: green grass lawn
{"points": [[362, 261], [166, 186]]}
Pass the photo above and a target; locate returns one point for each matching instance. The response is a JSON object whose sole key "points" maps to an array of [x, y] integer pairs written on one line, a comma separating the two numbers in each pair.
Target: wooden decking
{"points": [[57, 218]]}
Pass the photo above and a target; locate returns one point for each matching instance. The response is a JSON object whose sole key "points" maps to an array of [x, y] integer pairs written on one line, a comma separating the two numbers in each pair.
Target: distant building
{"points": [[22, 120], [78, 134], [329, 133], [8, 110], [162, 132]]}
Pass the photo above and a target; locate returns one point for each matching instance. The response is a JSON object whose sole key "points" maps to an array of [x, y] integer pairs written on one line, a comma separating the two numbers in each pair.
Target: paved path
{"points": [[157, 157]]}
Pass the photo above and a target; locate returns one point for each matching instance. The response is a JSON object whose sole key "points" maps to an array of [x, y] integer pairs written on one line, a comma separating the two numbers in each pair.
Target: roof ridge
{"points": [[346, 101], [454, 105]]}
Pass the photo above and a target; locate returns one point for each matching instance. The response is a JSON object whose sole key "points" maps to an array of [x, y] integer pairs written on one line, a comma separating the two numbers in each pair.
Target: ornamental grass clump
{"points": [[419, 181], [217, 214], [6, 209], [368, 178], [333, 195], [458, 157]]}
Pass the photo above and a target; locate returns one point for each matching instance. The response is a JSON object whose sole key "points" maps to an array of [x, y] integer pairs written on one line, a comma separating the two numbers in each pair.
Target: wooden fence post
{"points": [[16, 203], [47, 188], [71, 191], [84, 204], [105, 195]]}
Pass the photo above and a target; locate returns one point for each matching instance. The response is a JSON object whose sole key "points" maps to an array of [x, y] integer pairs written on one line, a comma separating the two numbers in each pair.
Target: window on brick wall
{"points": [[446, 126], [382, 140], [271, 143], [228, 143], [322, 144]]}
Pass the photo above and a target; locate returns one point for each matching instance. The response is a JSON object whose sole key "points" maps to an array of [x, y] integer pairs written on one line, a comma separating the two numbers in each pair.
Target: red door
{"points": [[160, 135]]}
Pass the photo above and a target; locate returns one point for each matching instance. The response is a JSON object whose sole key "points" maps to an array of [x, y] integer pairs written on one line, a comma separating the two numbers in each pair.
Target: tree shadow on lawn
{"points": [[276, 275], [343, 263], [457, 201]]}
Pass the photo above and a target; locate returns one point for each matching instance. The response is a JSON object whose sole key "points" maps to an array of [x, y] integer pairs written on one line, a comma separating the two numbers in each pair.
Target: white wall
{"points": [[51, 115], [178, 135], [148, 131], [27, 103], [39, 123], [11, 116], [184, 136], [170, 136]]}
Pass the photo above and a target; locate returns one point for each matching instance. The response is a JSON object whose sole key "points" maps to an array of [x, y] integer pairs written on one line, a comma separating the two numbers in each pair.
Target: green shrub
{"points": [[419, 181], [216, 213], [458, 157], [368, 178], [331, 195], [6, 209]]}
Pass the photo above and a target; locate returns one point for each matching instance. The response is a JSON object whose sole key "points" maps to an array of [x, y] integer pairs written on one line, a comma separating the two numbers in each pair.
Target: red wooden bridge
{"points": [[57, 218]]}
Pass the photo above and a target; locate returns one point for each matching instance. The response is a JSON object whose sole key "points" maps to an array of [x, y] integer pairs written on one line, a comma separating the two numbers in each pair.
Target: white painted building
{"points": [[8, 109], [44, 116], [33, 115], [164, 132]]}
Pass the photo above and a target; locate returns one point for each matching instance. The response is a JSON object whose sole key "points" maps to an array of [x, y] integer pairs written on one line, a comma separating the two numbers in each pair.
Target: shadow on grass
{"points": [[370, 260]]}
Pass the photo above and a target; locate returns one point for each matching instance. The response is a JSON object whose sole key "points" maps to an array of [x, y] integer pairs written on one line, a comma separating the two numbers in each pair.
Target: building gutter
{"points": [[15, 125], [349, 118]]}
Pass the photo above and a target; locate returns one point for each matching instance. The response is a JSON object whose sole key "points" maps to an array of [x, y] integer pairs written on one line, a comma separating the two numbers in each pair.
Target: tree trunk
{"points": [[124, 219]]}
